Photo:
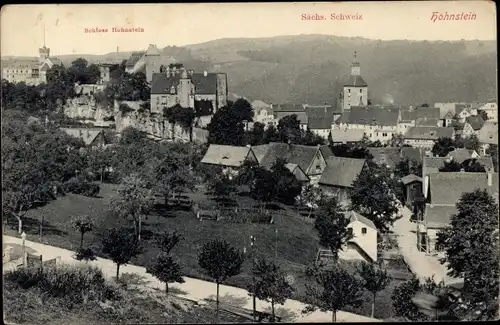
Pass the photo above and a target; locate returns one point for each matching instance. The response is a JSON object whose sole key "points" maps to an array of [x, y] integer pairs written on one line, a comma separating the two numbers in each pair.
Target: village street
{"points": [[420, 264], [193, 289]]}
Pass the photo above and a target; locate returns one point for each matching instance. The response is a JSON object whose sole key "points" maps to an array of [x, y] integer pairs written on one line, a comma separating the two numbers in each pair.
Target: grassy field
{"points": [[297, 242], [33, 306]]}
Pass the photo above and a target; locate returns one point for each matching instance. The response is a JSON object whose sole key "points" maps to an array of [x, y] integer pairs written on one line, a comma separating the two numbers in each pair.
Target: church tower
{"points": [[355, 89], [44, 51], [186, 90]]}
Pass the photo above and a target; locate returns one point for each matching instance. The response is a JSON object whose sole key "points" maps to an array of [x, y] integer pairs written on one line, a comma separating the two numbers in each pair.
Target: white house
{"points": [[488, 135], [491, 110], [466, 112], [363, 245], [263, 112], [472, 126], [230, 158], [426, 136], [378, 123]]}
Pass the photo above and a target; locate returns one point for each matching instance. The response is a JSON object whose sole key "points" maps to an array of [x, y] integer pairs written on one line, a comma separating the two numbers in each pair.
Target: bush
{"points": [[85, 254], [82, 186], [77, 284]]}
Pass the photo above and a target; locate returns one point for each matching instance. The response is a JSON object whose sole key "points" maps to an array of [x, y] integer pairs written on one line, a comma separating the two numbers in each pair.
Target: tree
{"points": [[311, 139], [289, 129], [271, 134], [226, 127], [310, 197], [263, 188], [256, 135], [83, 224], [120, 246], [470, 143], [349, 151], [221, 185], [483, 114], [286, 185], [450, 166], [271, 284], [335, 289], [375, 280], [243, 110], [173, 174], [471, 247], [220, 261], [402, 301], [134, 199], [166, 270], [331, 225], [406, 167], [443, 147], [492, 151], [167, 241], [373, 196], [397, 140]]}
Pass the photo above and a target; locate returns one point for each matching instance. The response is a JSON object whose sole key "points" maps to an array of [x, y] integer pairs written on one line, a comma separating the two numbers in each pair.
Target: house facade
{"points": [[472, 126], [378, 123], [363, 245], [491, 110], [230, 158], [206, 91], [426, 136], [487, 136], [310, 159], [94, 138], [282, 110]]}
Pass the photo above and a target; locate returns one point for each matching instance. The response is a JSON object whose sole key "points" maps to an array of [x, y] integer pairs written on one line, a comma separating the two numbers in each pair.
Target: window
{"points": [[318, 168], [439, 248], [384, 134], [361, 98], [349, 91], [360, 91], [363, 231], [349, 231]]}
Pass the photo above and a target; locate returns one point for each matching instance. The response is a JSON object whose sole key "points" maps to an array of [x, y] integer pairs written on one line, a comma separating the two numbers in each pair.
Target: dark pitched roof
{"points": [[318, 111], [134, 57], [374, 115], [355, 81], [439, 216], [326, 151], [344, 118], [292, 153], [413, 153], [426, 112], [341, 171], [433, 164], [204, 85], [320, 123], [385, 155], [424, 121], [226, 155], [446, 188], [260, 151], [288, 108], [476, 122], [408, 115], [428, 132], [298, 172]]}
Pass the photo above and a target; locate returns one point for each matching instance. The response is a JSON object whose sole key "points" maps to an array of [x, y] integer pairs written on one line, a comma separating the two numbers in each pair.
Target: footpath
{"points": [[194, 289]]}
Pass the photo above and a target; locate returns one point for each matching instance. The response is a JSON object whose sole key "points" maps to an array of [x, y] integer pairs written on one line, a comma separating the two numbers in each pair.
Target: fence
{"points": [[36, 261], [239, 215]]}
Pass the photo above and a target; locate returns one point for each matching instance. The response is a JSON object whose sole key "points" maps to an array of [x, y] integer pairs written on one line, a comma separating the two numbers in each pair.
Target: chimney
{"points": [[205, 73], [490, 177], [462, 170]]}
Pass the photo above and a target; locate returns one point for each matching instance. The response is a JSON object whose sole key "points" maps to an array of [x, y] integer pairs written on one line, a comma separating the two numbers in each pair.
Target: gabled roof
{"points": [[385, 155], [426, 112], [134, 57], [346, 135], [86, 135], [428, 132], [260, 151], [410, 179], [326, 151], [204, 85], [446, 188], [489, 133], [448, 115], [341, 171], [354, 216], [433, 164], [413, 153], [427, 122], [355, 81], [223, 155], [300, 155], [298, 172], [476, 122], [343, 118], [152, 50], [289, 108], [320, 123], [461, 154], [374, 115]]}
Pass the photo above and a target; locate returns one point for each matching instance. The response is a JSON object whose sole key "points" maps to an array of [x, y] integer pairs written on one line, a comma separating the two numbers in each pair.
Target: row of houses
{"points": [[420, 126]]}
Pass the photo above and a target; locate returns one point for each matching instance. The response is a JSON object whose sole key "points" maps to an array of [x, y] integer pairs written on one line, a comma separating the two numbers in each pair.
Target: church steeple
{"points": [[355, 67], [44, 51]]}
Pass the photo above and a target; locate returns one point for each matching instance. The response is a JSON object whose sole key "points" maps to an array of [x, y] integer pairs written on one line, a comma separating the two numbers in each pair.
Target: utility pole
{"points": [[252, 245]]}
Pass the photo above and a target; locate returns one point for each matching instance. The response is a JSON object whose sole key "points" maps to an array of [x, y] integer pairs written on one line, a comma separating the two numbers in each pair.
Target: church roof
{"points": [[355, 81], [204, 85]]}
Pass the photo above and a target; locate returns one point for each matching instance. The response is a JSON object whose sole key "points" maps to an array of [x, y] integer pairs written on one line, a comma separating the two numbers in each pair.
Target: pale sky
{"points": [[183, 24]]}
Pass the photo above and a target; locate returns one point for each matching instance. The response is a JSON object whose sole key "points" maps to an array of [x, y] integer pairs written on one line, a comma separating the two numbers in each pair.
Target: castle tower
{"points": [[355, 89], [152, 58], [186, 96]]}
